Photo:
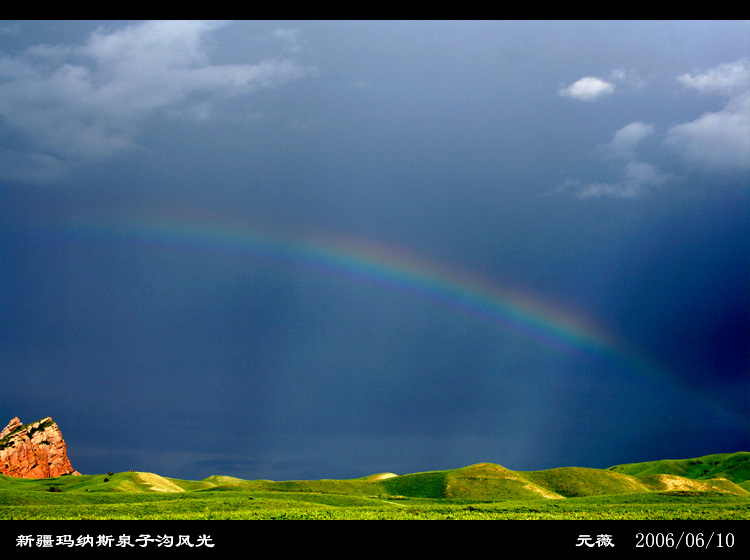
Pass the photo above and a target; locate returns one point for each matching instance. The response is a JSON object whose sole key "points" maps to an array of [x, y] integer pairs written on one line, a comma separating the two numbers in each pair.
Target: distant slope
{"points": [[724, 473], [727, 474], [734, 467]]}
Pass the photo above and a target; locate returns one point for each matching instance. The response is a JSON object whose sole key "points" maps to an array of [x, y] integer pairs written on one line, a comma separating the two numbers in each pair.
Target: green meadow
{"points": [[714, 487]]}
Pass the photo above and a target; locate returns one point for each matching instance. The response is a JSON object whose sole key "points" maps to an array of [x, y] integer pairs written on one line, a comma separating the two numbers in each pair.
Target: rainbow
{"points": [[383, 267]]}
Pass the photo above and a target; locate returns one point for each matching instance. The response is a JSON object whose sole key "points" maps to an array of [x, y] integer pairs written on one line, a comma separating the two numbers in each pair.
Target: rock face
{"points": [[33, 450]]}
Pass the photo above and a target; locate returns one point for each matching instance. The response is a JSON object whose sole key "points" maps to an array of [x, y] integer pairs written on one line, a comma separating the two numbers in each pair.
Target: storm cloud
{"points": [[313, 249]]}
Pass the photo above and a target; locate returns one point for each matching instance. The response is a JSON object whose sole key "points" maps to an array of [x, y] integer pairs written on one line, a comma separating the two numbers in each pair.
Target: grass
{"points": [[731, 466], [707, 488]]}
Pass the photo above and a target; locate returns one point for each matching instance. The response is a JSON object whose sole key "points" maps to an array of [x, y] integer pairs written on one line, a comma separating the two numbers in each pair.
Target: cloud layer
{"points": [[75, 104], [718, 139], [715, 141]]}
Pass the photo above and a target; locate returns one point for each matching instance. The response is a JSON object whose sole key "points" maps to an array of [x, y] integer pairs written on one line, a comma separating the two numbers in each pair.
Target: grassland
{"points": [[715, 487]]}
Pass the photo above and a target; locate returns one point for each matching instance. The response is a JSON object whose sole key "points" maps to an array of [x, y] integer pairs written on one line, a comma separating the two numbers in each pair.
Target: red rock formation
{"points": [[33, 451]]}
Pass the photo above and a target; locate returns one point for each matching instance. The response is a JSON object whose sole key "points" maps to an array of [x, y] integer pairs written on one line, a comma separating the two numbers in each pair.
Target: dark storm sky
{"points": [[590, 173]]}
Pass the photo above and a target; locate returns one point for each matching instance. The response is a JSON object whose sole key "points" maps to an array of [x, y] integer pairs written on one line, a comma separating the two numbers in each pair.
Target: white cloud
{"points": [[630, 78], [591, 88], [718, 140], [714, 141], [588, 89], [636, 178], [600, 190], [727, 79], [638, 175], [626, 140], [89, 101]]}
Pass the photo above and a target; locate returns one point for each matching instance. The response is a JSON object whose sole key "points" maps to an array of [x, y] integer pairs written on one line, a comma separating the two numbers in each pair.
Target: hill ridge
{"points": [[732, 466], [726, 474]]}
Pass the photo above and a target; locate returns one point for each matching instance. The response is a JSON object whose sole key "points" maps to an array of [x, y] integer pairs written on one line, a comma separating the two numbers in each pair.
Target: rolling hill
{"points": [[734, 467], [727, 473], [712, 487]]}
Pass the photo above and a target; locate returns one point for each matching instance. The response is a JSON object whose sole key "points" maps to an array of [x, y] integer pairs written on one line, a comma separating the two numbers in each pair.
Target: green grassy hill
{"points": [[734, 467], [715, 485], [570, 482], [727, 472]]}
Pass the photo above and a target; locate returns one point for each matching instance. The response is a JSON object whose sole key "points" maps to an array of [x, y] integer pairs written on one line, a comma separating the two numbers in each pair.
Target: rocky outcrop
{"points": [[34, 450]]}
